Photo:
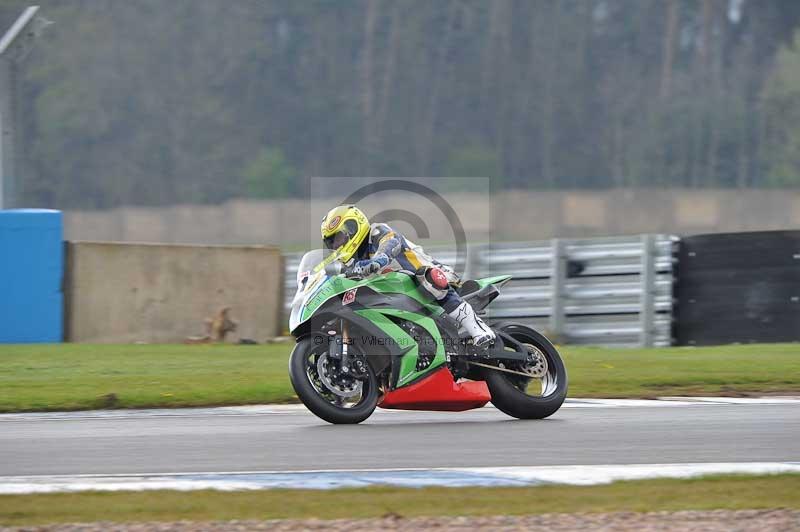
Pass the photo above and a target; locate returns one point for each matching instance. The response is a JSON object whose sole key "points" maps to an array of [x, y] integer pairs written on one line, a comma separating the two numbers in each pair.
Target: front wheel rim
{"points": [[330, 386]]}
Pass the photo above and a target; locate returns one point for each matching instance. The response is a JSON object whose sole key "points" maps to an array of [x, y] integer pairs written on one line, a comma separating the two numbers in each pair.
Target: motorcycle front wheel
{"points": [[542, 390], [331, 395]]}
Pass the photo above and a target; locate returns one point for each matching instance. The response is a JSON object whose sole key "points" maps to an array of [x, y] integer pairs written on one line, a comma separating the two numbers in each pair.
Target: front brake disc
{"points": [[325, 369]]}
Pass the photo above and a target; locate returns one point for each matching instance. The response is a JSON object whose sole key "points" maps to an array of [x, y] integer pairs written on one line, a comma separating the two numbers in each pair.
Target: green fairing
{"points": [[408, 363], [395, 283], [390, 283], [401, 283], [492, 280]]}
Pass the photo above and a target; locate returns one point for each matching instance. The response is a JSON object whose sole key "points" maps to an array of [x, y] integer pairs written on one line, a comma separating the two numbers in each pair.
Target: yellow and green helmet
{"points": [[344, 229]]}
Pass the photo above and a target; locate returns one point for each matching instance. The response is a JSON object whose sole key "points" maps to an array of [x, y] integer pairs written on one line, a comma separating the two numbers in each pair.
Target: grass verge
{"points": [[720, 492], [76, 377]]}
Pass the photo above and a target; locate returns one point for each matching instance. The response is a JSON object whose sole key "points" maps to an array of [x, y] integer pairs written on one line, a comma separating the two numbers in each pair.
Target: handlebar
{"points": [[349, 274], [335, 269]]}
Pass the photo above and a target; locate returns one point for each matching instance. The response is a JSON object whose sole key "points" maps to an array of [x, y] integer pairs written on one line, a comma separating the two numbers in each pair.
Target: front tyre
{"points": [[534, 397], [330, 395]]}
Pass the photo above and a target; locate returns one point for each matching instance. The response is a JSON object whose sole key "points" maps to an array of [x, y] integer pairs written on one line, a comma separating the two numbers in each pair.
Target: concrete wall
{"points": [[162, 293], [527, 215]]}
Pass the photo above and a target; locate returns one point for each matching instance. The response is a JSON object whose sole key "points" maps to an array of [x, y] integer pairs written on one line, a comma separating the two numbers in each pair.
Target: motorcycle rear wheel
{"points": [[303, 368], [510, 392]]}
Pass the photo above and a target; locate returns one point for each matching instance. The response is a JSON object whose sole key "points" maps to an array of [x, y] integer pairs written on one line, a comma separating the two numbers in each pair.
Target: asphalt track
{"points": [[291, 439]]}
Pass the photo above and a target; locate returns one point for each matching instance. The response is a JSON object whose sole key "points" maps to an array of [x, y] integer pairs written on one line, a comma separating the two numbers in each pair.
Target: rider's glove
{"points": [[363, 268], [366, 267]]}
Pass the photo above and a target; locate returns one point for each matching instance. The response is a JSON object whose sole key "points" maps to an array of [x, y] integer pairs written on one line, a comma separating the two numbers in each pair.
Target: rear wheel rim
{"points": [[543, 370]]}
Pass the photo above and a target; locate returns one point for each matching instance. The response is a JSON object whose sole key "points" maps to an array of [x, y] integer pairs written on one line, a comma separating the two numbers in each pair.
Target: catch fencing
{"points": [[600, 291]]}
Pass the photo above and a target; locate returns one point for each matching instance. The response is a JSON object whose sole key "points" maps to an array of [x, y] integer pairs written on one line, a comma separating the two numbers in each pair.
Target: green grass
{"points": [[723, 370], [722, 492], [75, 376]]}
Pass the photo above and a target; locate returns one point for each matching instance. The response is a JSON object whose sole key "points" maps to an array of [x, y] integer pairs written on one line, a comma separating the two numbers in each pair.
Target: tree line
{"points": [[145, 102]]}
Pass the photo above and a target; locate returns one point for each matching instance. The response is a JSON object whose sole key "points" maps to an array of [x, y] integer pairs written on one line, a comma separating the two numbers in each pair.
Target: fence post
{"points": [[648, 285], [473, 269], [558, 278]]}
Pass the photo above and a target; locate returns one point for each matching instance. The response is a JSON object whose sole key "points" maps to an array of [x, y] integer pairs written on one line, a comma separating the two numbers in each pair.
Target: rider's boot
{"points": [[469, 324]]}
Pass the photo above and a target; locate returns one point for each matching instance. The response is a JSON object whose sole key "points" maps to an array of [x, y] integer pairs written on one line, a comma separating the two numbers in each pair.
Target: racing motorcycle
{"points": [[380, 341]]}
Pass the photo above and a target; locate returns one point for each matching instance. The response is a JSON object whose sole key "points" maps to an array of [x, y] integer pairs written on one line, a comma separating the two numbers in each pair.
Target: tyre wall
{"points": [[738, 287]]}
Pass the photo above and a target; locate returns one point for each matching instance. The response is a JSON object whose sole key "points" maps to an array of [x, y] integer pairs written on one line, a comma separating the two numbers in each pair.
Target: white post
{"points": [[648, 288], [558, 281]]}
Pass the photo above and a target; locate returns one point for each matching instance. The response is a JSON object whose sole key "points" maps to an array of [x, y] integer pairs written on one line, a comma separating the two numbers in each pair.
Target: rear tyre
{"points": [[511, 393], [319, 393]]}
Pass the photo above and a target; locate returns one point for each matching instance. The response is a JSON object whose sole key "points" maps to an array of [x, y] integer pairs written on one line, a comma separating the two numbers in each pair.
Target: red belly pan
{"points": [[438, 391]]}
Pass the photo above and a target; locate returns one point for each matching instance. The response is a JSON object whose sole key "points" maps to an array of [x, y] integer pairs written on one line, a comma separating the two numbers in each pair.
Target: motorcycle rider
{"points": [[373, 248]]}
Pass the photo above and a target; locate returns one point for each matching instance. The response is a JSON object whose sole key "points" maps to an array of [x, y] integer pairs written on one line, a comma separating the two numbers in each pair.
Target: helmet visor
{"points": [[337, 240]]}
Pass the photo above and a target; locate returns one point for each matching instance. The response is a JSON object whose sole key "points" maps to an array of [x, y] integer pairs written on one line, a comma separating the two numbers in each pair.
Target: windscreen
{"points": [[307, 263]]}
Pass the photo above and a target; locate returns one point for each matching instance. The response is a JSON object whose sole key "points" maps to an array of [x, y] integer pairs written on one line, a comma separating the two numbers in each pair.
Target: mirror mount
{"points": [[333, 268]]}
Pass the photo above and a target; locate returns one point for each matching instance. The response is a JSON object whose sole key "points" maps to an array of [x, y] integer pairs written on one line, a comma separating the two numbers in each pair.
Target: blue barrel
{"points": [[31, 269]]}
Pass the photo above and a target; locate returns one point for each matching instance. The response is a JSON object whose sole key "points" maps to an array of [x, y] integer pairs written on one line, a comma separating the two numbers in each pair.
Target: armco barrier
{"points": [[31, 268], [162, 293], [602, 291]]}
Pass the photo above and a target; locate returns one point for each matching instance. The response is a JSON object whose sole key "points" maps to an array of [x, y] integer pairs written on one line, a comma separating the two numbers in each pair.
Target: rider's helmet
{"points": [[344, 229]]}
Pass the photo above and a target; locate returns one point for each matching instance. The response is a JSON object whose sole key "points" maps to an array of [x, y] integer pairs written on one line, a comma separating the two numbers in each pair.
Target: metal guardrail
{"points": [[601, 291]]}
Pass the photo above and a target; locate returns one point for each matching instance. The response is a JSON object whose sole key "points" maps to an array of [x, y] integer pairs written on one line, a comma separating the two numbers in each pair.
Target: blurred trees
{"points": [[782, 118], [150, 102], [270, 176]]}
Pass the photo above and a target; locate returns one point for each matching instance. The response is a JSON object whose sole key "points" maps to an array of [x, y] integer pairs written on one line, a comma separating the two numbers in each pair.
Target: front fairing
{"points": [[315, 287], [319, 289]]}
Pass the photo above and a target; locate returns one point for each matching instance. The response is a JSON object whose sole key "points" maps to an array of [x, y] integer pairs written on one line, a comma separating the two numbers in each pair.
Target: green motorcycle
{"points": [[381, 341]]}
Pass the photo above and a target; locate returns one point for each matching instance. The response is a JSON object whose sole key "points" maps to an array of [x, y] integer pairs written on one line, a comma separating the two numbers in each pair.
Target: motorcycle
{"points": [[380, 341]]}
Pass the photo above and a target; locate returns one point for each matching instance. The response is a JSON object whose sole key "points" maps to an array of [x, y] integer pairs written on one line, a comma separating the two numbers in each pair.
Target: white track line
{"points": [[768, 400], [329, 479], [260, 410]]}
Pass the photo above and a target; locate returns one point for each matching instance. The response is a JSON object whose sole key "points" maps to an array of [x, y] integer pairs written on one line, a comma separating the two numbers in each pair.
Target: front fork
{"points": [[339, 349]]}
